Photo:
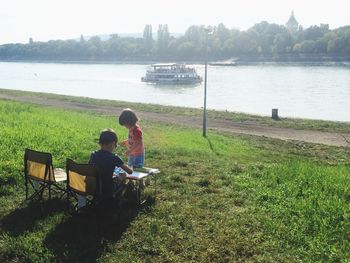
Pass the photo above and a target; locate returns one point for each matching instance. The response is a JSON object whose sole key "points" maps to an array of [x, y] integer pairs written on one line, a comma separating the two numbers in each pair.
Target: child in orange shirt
{"points": [[136, 150]]}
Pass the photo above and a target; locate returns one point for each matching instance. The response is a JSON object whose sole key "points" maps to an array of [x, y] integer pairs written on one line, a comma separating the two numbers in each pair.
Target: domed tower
{"points": [[292, 23]]}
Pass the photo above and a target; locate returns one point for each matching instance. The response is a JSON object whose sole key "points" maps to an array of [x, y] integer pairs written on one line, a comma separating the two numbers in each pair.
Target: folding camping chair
{"points": [[40, 174], [83, 180]]}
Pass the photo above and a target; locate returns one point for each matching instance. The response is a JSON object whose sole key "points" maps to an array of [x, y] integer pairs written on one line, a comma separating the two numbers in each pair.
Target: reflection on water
{"points": [[320, 92], [170, 89]]}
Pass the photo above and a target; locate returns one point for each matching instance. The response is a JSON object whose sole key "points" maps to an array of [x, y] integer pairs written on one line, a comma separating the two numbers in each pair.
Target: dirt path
{"points": [[328, 138]]}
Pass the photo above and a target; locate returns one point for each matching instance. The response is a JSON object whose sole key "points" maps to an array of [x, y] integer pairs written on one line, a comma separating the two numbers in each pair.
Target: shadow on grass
{"points": [[211, 146], [84, 237], [77, 238], [24, 218]]}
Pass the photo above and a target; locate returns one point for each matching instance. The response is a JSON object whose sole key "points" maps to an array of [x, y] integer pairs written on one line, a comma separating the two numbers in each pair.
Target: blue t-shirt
{"points": [[106, 161]]}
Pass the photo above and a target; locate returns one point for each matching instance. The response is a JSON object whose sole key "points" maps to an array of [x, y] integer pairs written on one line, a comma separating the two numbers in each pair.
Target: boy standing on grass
{"points": [[136, 150]]}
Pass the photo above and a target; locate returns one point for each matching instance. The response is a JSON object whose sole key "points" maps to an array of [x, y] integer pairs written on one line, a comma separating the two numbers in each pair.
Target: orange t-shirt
{"points": [[135, 138]]}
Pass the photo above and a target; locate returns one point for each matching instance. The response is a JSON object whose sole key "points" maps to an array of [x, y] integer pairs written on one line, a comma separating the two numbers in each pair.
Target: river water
{"points": [[316, 92]]}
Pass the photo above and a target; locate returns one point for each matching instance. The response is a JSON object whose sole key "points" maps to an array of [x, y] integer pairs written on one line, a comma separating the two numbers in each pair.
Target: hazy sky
{"points": [[61, 19]]}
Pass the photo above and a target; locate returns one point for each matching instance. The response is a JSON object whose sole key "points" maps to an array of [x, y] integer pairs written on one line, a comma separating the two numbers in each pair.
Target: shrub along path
{"points": [[245, 127]]}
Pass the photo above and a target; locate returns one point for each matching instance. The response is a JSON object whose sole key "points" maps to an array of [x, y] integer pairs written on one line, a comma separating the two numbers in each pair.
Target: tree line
{"points": [[263, 40]]}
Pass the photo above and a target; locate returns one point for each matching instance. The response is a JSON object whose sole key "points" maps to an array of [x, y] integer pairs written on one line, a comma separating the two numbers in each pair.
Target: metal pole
{"points": [[205, 100], [205, 89]]}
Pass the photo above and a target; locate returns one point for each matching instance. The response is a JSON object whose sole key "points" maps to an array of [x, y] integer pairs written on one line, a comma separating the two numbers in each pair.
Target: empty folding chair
{"points": [[40, 174]]}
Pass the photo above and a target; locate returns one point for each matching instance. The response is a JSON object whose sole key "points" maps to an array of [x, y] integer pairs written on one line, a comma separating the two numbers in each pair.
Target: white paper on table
{"points": [[154, 171], [137, 175]]}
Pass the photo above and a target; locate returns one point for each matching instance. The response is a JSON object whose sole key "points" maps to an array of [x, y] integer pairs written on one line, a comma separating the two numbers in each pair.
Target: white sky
{"points": [[61, 19]]}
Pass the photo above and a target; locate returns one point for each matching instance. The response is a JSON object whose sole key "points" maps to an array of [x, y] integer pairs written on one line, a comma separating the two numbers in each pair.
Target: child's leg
{"points": [[131, 161], [136, 161]]}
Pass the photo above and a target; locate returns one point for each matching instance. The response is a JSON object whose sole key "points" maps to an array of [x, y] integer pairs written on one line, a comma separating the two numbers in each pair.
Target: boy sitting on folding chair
{"points": [[106, 161]]}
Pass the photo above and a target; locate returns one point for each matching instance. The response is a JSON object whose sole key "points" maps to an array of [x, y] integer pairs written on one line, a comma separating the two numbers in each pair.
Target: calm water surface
{"points": [[318, 92]]}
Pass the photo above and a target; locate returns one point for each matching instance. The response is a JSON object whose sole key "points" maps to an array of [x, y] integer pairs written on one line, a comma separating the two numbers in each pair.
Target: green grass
{"points": [[309, 203], [221, 199], [320, 125]]}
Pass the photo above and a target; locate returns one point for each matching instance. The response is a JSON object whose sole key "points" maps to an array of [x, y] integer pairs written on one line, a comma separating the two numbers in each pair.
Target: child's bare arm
{"points": [[126, 169], [124, 143]]}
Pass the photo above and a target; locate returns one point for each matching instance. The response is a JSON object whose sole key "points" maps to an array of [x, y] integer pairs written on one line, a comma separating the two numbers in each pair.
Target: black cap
{"points": [[107, 136]]}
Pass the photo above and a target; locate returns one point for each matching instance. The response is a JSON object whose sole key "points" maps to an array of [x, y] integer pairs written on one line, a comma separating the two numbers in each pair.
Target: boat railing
{"points": [[183, 70]]}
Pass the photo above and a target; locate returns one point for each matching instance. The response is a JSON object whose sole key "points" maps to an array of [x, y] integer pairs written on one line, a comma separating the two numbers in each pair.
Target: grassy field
{"points": [[221, 199], [319, 125]]}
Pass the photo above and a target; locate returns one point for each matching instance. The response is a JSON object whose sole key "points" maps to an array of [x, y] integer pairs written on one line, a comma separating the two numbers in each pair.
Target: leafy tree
{"points": [[315, 32], [187, 49], [266, 34], [262, 39], [307, 46], [221, 32], [321, 46], [283, 42], [148, 38], [296, 48], [163, 39]]}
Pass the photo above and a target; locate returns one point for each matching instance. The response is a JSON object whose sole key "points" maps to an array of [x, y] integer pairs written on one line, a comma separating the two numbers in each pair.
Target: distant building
{"points": [[292, 23]]}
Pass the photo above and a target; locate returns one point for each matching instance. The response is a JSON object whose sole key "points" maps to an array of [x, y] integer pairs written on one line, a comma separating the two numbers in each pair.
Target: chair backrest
{"points": [[38, 166], [83, 178]]}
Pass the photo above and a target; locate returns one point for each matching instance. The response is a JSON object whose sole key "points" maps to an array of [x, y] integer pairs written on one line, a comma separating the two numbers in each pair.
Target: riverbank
{"points": [[224, 198], [313, 131]]}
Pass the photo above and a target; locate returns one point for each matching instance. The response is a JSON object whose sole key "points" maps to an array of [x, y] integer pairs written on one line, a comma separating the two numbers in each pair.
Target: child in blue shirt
{"points": [[106, 160]]}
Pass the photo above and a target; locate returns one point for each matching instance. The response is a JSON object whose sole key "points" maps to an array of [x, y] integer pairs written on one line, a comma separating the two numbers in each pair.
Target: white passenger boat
{"points": [[171, 74]]}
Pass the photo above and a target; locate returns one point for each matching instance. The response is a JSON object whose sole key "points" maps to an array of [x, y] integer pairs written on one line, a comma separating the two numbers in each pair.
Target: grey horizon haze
{"points": [[45, 20]]}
